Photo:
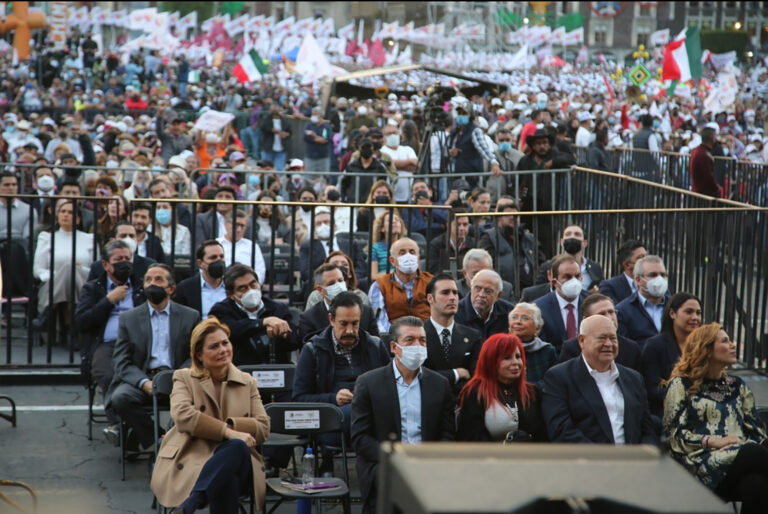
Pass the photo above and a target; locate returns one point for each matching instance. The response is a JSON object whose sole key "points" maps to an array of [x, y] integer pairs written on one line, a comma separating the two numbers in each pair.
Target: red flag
{"points": [[376, 53], [670, 70], [610, 91]]}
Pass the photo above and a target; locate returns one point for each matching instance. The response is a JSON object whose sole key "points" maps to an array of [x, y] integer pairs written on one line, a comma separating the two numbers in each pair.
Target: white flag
{"points": [[311, 62], [659, 38], [236, 26], [575, 37], [347, 32]]}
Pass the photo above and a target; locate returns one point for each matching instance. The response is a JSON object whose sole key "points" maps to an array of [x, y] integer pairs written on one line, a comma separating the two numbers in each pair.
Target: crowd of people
{"points": [[531, 341]]}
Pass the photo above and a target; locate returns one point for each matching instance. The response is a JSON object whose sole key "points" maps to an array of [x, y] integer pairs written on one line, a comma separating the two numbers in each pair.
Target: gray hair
{"points": [[109, 249], [638, 271], [405, 321], [538, 321], [493, 275], [477, 254], [322, 270]]}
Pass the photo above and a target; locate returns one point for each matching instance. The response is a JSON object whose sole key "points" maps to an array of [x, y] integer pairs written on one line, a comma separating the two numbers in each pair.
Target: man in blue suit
{"points": [[641, 313], [591, 399], [623, 285], [561, 308]]}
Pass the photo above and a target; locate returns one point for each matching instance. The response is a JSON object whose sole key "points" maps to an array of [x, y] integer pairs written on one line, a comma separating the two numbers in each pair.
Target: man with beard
{"points": [[148, 243]]}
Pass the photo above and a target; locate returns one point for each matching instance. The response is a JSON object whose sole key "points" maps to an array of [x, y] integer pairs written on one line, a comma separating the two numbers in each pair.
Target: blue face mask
{"points": [[656, 123], [163, 216], [254, 181], [462, 119], [10, 129], [505, 146], [611, 120], [542, 105]]}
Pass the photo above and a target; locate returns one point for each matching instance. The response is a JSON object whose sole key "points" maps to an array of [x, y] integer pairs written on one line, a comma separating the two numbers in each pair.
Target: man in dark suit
{"points": [[561, 308], [117, 289], [533, 293], [452, 349], [329, 282], [124, 232], [458, 240], [322, 245], [598, 304], [475, 260], [204, 290], [591, 399], [150, 338], [641, 313], [260, 329], [212, 224], [573, 243], [148, 243], [401, 390], [484, 310], [623, 285]]}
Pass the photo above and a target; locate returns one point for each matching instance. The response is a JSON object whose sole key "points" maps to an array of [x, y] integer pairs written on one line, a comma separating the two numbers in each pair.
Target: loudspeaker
{"points": [[437, 478]]}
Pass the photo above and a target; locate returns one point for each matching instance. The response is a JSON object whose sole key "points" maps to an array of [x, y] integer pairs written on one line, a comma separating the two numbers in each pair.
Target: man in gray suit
{"points": [[150, 338]]}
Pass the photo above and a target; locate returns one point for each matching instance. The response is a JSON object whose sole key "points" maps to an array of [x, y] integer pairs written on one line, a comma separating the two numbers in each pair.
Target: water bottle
{"points": [[307, 468]]}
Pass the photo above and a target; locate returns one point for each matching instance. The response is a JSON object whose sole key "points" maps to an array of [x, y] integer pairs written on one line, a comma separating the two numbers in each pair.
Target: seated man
{"points": [[416, 220], [124, 232], [202, 291], [475, 260], [403, 399], [322, 246], [331, 361], [623, 285], [150, 338], [260, 329], [484, 310], [591, 399], [573, 243], [402, 292], [439, 256], [329, 282], [596, 303], [246, 251], [640, 314]]}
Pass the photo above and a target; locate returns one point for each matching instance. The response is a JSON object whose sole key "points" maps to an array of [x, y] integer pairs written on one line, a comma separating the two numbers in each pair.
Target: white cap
{"points": [[714, 126], [583, 116], [392, 97], [322, 210], [481, 122], [296, 163], [542, 97], [496, 101], [212, 138]]}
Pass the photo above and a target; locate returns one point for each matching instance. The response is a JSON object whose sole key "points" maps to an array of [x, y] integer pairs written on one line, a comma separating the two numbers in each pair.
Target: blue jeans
{"points": [[277, 158], [250, 137]]}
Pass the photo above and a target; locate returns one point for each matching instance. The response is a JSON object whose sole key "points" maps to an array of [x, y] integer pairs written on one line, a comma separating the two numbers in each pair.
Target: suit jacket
{"points": [[497, 322], [133, 349], [376, 415], [616, 288], [308, 264], [533, 293], [250, 344], [575, 413], [634, 320], [660, 354], [315, 320], [140, 265], [629, 352], [154, 248], [465, 347], [553, 331], [189, 293]]}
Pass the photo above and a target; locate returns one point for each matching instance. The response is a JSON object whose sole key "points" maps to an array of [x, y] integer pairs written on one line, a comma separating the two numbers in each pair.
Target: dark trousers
{"points": [[747, 479], [224, 476], [102, 372], [129, 403]]}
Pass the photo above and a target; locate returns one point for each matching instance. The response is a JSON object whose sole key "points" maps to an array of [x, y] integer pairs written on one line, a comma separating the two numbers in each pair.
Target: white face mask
{"points": [[323, 231], [571, 288], [251, 299], [333, 290], [314, 119], [657, 286], [45, 183], [413, 356], [131, 242], [408, 263], [393, 140]]}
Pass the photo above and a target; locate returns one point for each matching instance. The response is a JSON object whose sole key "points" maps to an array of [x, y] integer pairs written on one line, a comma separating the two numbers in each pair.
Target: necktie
{"points": [[446, 343], [570, 325]]}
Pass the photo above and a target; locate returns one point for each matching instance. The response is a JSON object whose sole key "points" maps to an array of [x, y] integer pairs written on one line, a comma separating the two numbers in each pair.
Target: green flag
{"points": [[570, 21], [231, 7], [508, 18]]}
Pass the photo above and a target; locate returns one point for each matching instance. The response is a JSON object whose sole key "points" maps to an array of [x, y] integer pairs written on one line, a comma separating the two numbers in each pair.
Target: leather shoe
{"points": [[112, 434]]}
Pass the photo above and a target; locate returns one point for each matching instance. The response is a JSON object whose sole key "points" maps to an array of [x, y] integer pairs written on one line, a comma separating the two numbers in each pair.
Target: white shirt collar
{"points": [[592, 372], [563, 302], [440, 328]]}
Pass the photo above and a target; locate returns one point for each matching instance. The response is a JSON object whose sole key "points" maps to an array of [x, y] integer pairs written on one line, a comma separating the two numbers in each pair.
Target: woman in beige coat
{"points": [[209, 455]]}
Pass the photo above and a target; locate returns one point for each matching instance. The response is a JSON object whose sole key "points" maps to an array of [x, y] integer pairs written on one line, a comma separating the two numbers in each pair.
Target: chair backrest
{"points": [[162, 383], [272, 378], [299, 418]]}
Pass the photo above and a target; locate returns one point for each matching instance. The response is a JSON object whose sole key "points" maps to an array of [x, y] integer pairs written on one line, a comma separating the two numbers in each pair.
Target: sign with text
{"points": [[213, 121], [270, 379], [302, 419]]}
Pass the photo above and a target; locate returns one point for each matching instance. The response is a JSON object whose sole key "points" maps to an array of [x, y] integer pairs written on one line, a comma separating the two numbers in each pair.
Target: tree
{"points": [[723, 41]]}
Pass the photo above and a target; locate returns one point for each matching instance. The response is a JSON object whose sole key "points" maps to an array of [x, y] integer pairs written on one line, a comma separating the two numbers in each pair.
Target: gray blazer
{"points": [[133, 348]]}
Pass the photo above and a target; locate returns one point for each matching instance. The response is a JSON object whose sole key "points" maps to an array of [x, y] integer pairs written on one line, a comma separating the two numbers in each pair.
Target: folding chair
{"points": [[309, 419], [92, 417]]}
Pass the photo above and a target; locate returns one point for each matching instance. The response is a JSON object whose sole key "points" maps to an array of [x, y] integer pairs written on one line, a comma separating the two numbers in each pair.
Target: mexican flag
{"points": [[682, 57], [250, 68]]}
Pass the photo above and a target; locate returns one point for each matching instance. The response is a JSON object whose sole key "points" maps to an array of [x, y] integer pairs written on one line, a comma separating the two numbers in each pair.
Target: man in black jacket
{"points": [[484, 310], [148, 243], [366, 163], [275, 132], [202, 291], [458, 240], [124, 232], [597, 158]]}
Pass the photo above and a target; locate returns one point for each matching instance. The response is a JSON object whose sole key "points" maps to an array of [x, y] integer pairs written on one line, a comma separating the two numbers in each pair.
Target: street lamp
{"points": [[526, 20], [737, 25]]}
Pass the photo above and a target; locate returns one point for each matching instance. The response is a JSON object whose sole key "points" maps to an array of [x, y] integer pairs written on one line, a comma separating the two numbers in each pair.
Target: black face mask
{"points": [[377, 145], [216, 269], [122, 271], [333, 195], [381, 199], [572, 245], [366, 152], [307, 208], [155, 294], [344, 272], [62, 135]]}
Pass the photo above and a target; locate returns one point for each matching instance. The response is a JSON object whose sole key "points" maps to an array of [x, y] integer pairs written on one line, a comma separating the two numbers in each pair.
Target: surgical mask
{"points": [[413, 356], [122, 271], [572, 245], [542, 105], [408, 263], [314, 119], [10, 129], [45, 183], [726, 151], [611, 120], [571, 288], [505, 146], [462, 119], [163, 216], [656, 123], [155, 294], [333, 290], [131, 242], [251, 299], [657, 286], [393, 140], [323, 231]]}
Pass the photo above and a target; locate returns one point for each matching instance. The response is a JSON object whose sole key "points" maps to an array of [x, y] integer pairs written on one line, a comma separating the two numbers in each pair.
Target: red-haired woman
{"points": [[498, 404]]}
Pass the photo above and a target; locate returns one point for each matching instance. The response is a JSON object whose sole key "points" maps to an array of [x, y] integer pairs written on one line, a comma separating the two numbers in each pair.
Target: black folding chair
{"points": [[310, 420]]}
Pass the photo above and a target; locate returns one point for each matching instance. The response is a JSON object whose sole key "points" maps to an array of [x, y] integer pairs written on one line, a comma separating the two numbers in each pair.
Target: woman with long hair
{"points": [[711, 423], [682, 315], [380, 193], [383, 241], [479, 200], [498, 403], [266, 222]]}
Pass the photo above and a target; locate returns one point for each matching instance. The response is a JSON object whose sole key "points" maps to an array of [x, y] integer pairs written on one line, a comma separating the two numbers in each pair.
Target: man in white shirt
{"points": [[246, 251], [584, 135], [591, 399], [403, 157]]}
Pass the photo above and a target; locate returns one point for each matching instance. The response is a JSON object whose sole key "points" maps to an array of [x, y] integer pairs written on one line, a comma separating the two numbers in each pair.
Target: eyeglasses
{"points": [[524, 318]]}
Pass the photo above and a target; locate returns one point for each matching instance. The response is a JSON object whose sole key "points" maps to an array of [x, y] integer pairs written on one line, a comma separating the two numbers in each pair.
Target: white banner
{"points": [[659, 38], [213, 121], [58, 23], [722, 61]]}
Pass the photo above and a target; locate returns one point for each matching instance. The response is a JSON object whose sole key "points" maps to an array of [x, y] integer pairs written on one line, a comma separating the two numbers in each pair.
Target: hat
{"points": [[49, 121], [177, 161], [296, 163], [481, 122], [374, 132], [540, 132], [322, 210], [461, 185], [126, 146], [236, 156], [731, 117], [496, 101], [212, 138], [392, 97], [24, 125], [121, 126], [584, 116]]}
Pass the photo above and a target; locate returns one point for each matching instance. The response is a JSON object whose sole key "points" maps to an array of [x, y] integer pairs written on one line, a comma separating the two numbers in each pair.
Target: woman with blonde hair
{"points": [[711, 423], [383, 240], [380, 193], [209, 455]]}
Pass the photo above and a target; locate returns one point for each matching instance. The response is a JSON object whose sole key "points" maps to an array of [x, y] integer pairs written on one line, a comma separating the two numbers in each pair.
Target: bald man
{"points": [[591, 399], [483, 309]]}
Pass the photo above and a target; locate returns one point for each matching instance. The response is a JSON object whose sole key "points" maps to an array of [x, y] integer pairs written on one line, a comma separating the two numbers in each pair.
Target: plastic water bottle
{"points": [[307, 468]]}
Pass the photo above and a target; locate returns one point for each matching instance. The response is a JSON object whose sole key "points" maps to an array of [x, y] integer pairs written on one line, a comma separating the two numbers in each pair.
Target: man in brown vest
{"points": [[402, 292]]}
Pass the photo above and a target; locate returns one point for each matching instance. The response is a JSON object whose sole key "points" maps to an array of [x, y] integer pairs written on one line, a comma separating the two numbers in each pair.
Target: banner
{"points": [[575, 37], [118, 18], [722, 61], [722, 97], [213, 121], [236, 26], [142, 19], [58, 23]]}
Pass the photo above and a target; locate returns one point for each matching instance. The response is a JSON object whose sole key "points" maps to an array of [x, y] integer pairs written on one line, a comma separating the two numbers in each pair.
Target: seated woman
{"points": [[498, 403], [164, 231], [59, 277], [343, 261], [381, 193], [382, 241], [682, 315], [711, 423], [266, 223], [525, 322], [479, 200], [219, 421]]}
